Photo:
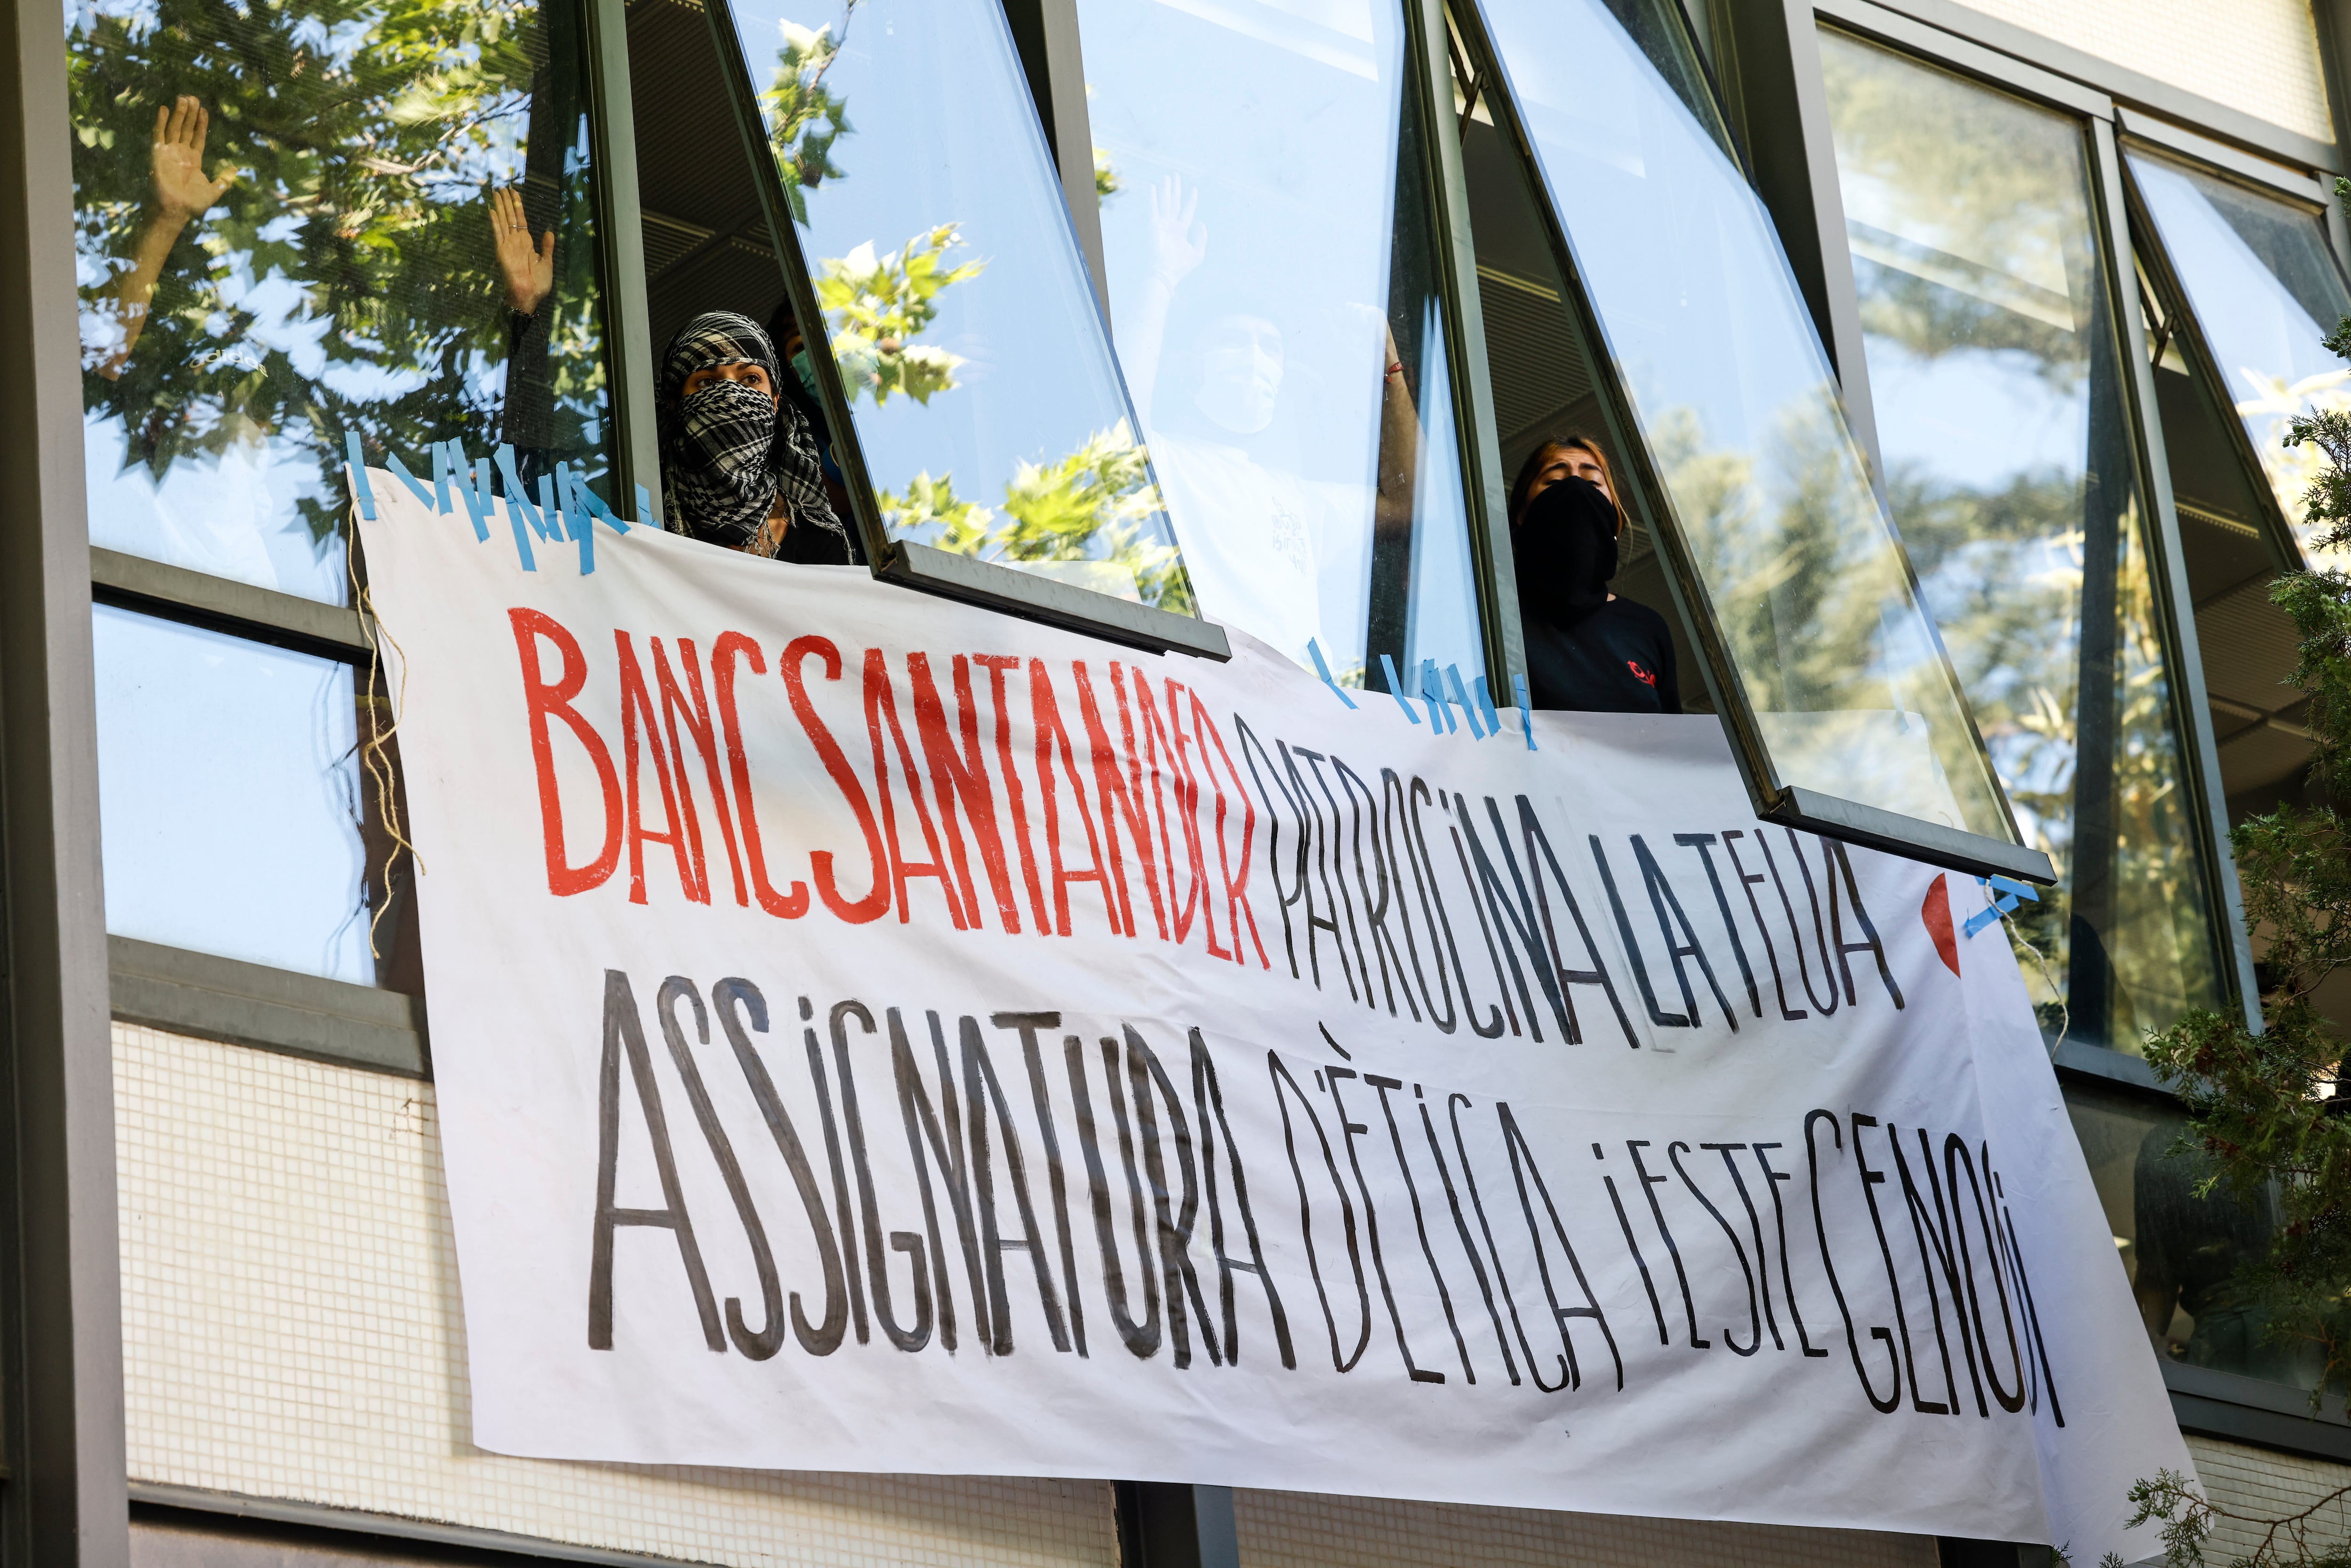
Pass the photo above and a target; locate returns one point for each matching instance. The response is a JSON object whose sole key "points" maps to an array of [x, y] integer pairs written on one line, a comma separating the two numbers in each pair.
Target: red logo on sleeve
{"points": [[1640, 674]]}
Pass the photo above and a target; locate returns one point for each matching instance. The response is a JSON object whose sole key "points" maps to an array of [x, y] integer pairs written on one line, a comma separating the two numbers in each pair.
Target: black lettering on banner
{"points": [[1869, 943], [1762, 927], [1469, 1244], [1496, 1017], [1419, 1224], [1884, 1406], [1393, 802], [1280, 1076], [1772, 1178], [1755, 1225], [1870, 1181], [1376, 915], [1028, 1024], [1935, 1252], [2024, 1289], [1686, 1019], [1649, 1184], [1324, 853], [1795, 931], [1955, 1152], [1453, 1103], [1208, 1110], [1624, 1223], [983, 1094], [1700, 842], [1141, 1338], [1273, 842], [1514, 1143], [770, 1338], [1662, 899], [731, 998], [1673, 1153], [625, 1031], [877, 1271], [923, 1124], [840, 1177], [1143, 1072], [1348, 1131]]}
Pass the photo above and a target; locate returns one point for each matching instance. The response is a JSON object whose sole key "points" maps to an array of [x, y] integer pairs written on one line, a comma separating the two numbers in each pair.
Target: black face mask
{"points": [[1566, 551]]}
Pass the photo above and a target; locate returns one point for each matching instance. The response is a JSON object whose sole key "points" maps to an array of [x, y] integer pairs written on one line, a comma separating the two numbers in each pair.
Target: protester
{"points": [[740, 467], [1587, 649]]}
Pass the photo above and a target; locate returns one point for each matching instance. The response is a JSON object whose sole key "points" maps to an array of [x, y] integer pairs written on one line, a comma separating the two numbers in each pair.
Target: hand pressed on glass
{"points": [[528, 269], [179, 192]]}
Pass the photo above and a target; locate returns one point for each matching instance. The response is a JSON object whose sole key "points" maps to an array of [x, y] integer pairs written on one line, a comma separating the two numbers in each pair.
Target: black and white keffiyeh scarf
{"points": [[729, 450]]}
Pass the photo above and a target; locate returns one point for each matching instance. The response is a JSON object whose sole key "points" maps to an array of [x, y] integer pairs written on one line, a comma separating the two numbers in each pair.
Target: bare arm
{"points": [[180, 192], [1399, 460], [528, 269], [1177, 247]]}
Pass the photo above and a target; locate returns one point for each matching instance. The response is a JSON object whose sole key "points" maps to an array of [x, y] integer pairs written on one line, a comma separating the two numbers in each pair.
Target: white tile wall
{"points": [[2265, 1485], [2257, 56]]}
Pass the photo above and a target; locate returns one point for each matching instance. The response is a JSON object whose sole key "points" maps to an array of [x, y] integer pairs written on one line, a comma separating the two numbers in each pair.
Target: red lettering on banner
{"points": [[1051, 735], [996, 665], [845, 778], [962, 777], [881, 703], [1157, 743], [731, 646], [1237, 903], [694, 712], [637, 702], [1111, 788], [563, 879]]}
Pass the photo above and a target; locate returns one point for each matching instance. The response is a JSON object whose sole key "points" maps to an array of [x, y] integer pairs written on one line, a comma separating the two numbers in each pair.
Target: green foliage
{"points": [[2188, 1521], [931, 503], [877, 305], [1106, 180], [804, 119]]}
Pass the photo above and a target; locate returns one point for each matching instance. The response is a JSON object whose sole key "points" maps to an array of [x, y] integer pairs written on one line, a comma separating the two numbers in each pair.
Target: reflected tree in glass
{"points": [[956, 306], [1997, 372], [2265, 289], [322, 258]]}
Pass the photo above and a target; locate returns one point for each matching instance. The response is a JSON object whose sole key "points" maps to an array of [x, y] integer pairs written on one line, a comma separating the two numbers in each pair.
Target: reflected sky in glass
{"points": [[2265, 288], [957, 305], [1268, 245], [1740, 414], [1996, 375], [229, 796]]}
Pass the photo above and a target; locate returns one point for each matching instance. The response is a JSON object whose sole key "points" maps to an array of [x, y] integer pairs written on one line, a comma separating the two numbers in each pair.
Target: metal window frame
{"points": [[918, 565]]}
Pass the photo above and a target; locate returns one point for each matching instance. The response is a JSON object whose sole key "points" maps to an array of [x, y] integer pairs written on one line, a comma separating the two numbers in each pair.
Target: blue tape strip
{"points": [[488, 494], [479, 505], [440, 463], [1432, 692], [519, 493], [550, 508], [1486, 702], [568, 490], [1323, 670], [646, 512], [591, 503], [1526, 709], [400, 471], [359, 475], [1462, 695], [2024, 890], [1396, 687], [521, 534], [1980, 919]]}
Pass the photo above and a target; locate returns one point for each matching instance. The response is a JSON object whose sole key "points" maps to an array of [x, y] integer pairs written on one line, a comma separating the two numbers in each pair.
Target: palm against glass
{"points": [[528, 269]]}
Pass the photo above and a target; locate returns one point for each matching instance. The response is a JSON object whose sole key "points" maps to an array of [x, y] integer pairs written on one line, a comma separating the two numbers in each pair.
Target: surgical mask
{"points": [[805, 371]]}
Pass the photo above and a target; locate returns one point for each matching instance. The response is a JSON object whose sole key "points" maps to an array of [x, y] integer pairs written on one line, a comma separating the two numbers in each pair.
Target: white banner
{"points": [[876, 1034]]}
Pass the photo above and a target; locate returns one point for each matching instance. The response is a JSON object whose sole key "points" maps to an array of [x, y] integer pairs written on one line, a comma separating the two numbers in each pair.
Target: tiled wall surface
{"points": [[2260, 56], [2261, 1484]]}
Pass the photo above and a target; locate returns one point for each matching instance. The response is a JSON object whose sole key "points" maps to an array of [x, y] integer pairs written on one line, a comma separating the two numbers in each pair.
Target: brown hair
{"points": [[1541, 458]]}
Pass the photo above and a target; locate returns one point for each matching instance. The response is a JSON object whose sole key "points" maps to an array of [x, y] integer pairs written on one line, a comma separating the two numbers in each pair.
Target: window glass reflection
{"points": [[2180, 1249], [230, 798], [297, 221], [1734, 398], [956, 305], [1273, 291], [2265, 289], [1996, 369]]}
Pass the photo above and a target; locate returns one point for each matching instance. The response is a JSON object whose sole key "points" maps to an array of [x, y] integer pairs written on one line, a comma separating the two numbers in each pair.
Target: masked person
{"points": [[1587, 650], [739, 464]]}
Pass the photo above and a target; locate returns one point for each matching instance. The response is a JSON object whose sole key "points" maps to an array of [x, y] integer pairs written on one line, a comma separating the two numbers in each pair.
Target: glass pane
{"points": [[2265, 288], [230, 798], [285, 229], [1997, 369], [2180, 1249], [1299, 410], [958, 308], [1797, 565]]}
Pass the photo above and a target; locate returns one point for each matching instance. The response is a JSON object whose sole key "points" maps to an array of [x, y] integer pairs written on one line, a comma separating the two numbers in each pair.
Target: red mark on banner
{"points": [[998, 665], [731, 646], [641, 733], [1110, 789], [1237, 903], [880, 706], [874, 905], [962, 776], [1045, 715], [1935, 912], [563, 879], [692, 713]]}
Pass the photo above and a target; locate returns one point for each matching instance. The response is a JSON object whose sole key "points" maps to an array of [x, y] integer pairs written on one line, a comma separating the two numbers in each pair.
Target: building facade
{"points": [[2040, 281]]}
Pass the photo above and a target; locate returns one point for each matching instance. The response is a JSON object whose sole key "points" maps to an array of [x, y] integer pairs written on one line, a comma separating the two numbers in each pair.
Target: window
{"points": [[1827, 666], [1274, 289], [1998, 377]]}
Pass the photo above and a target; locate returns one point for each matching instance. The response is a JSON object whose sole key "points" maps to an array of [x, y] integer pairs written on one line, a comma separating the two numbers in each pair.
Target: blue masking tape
{"points": [[440, 463], [550, 508], [522, 535], [1526, 708], [1985, 917], [487, 491], [359, 475], [568, 490], [2022, 890], [519, 493], [1486, 702], [479, 505], [1323, 670], [1396, 687], [1432, 692], [400, 471], [1462, 695], [591, 503], [645, 510]]}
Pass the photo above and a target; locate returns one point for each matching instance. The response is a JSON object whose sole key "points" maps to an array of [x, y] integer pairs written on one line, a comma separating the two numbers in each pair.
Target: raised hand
{"points": [[1178, 246], [528, 269], [182, 191]]}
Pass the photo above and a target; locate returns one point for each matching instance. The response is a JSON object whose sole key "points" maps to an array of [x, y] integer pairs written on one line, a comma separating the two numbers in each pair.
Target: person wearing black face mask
{"points": [[1587, 650], [739, 464]]}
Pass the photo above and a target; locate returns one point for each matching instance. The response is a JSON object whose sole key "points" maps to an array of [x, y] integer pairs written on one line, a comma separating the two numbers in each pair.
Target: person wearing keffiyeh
{"points": [[739, 464]]}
